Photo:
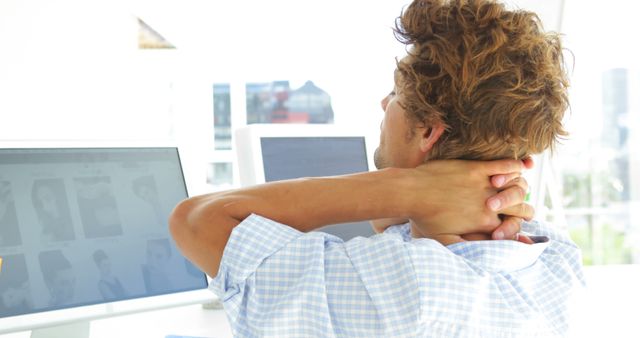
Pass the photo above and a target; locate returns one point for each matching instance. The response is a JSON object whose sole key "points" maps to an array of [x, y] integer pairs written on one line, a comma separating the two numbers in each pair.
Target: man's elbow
{"points": [[179, 226], [201, 228]]}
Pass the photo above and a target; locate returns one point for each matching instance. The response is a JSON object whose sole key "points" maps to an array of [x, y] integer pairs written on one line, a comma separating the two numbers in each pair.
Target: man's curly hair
{"points": [[491, 76]]}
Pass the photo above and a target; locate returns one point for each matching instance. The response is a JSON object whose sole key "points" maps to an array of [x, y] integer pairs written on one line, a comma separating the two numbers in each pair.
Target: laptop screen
{"points": [[88, 226]]}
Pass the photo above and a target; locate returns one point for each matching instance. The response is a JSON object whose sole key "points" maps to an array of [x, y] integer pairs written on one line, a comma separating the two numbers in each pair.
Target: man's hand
{"points": [[509, 202], [460, 187]]}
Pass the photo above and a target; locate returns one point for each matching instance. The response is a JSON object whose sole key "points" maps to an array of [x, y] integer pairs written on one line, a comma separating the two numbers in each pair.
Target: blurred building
{"points": [[222, 116], [620, 121], [275, 102], [313, 101], [615, 123]]}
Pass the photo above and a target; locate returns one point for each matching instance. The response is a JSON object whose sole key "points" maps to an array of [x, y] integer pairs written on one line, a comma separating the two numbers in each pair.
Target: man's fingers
{"points": [[522, 210], [506, 198], [505, 167], [524, 239], [501, 167], [499, 181], [517, 181], [508, 229]]}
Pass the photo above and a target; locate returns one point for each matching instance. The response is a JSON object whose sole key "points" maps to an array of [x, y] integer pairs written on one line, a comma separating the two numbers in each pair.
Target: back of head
{"points": [[491, 76]]}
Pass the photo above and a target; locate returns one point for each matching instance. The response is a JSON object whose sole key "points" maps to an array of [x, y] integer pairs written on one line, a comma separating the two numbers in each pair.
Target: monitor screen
{"points": [[314, 156], [294, 157], [89, 226]]}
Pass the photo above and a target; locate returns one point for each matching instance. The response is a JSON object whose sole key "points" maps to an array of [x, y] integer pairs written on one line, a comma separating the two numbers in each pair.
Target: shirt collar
{"points": [[494, 255], [500, 256]]}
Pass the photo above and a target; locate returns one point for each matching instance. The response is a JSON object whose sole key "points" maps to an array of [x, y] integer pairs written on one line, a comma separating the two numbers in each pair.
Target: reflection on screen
{"points": [[86, 226], [294, 157]]}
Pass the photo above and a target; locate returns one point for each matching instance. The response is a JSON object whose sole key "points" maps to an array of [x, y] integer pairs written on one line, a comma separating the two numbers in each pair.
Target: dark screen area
{"points": [[295, 157]]}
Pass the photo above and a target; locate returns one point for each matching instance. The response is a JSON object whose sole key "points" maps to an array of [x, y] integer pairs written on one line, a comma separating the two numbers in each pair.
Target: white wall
{"points": [[69, 69]]}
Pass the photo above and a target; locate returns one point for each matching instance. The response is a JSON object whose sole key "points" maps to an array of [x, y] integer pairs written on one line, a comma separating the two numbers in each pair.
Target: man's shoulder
{"points": [[397, 245], [393, 237]]}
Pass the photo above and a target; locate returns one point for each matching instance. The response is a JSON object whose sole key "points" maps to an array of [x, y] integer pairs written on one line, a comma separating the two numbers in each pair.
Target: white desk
{"points": [[190, 320]]}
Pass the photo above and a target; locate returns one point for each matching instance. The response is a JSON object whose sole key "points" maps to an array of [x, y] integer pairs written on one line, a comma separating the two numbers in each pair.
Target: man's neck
{"points": [[447, 239]]}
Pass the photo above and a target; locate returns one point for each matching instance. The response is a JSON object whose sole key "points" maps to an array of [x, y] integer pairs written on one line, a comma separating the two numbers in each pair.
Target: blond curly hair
{"points": [[491, 76]]}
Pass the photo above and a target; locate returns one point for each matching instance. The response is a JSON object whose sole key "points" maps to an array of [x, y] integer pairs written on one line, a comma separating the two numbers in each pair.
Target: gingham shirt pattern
{"points": [[278, 282]]}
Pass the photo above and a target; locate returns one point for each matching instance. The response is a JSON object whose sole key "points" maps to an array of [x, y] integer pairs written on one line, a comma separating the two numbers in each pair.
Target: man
{"points": [[479, 82]]}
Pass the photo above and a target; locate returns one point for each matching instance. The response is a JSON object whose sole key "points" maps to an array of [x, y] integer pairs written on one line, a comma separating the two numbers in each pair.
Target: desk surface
{"points": [[190, 320]]}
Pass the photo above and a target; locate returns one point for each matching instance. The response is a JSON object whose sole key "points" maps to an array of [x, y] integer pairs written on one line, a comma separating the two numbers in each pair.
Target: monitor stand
{"points": [[73, 330]]}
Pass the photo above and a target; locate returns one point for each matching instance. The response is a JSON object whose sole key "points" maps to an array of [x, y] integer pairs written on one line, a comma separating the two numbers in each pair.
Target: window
{"points": [[599, 166]]}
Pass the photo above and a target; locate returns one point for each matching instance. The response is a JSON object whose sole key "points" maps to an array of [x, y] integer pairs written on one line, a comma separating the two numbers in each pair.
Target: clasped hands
{"points": [[453, 201]]}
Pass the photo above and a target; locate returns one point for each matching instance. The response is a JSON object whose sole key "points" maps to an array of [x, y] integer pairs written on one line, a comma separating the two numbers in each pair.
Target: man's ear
{"points": [[430, 135]]}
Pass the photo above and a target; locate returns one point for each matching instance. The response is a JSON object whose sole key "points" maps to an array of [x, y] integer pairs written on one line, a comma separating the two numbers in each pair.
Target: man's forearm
{"points": [[304, 204], [309, 203]]}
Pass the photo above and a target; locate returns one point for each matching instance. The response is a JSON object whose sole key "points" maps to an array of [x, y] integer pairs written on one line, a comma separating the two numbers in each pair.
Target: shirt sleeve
{"points": [[251, 242], [277, 281], [272, 280]]}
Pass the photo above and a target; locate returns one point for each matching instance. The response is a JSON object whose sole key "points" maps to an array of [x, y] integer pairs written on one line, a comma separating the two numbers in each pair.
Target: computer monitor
{"points": [[272, 152], [84, 235]]}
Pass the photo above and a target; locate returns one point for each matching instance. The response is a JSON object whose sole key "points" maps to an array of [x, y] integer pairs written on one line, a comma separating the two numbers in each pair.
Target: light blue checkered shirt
{"points": [[276, 281]]}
